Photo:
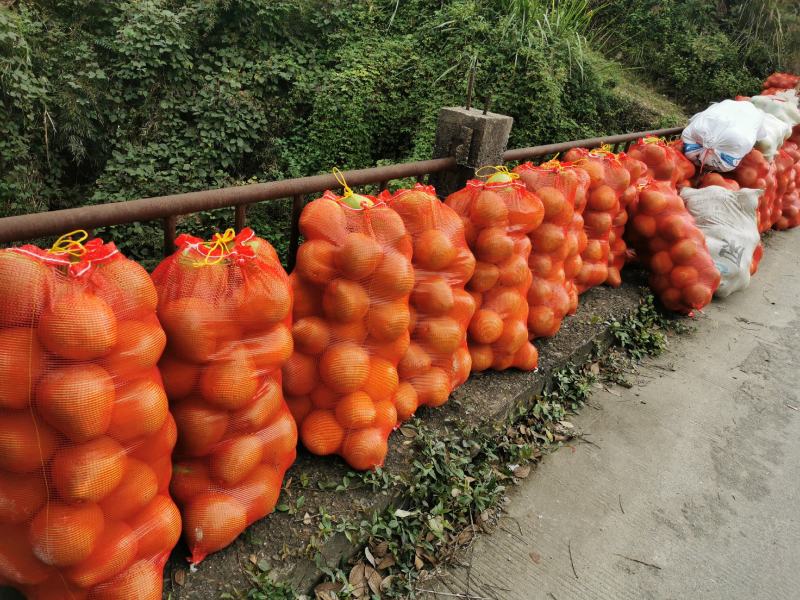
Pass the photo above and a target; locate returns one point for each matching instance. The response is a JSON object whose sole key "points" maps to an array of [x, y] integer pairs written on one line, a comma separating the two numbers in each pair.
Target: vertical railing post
{"points": [[240, 217], [170, 225], [294, 235]]}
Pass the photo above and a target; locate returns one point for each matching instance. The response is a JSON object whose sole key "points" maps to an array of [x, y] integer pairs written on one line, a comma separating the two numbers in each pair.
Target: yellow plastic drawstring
{"points": [[651, 139], [502, 169], [553, 163], [603, 150], [218, 242], [346, 191], [71, 243]]}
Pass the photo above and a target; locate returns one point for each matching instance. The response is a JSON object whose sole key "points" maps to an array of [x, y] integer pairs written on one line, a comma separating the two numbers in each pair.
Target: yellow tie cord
{"points": [[220, 242], [502, 169], [346, 191], [71, 243]]}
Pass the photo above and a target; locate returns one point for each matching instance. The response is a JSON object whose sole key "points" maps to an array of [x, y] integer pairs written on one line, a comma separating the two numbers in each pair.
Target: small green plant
{"points": [[644, 333]]}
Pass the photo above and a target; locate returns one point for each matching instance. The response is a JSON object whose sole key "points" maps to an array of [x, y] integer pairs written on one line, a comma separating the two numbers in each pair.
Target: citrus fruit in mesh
{"points": [[385, 415], [507, 302], [264, 250], [321, 433], [270, 349], [416, 208], [139, 347], [157, 526], [382, 380], [463, 306], [493, 245], [394, 277], [526, 358], [324, 397], [515, 333], [299, 374], [482, 356], [463, 266], [191, 328], [345, 301], [230, 382], [460, 366], [263, 299], [386, 321], [142, 580], [683, 276], [441, 334], [21, 364], [542, 321], [315, 261], [114, 550], [488, 209], [157, 445], [232, 460], [358, 256], [261, 409], [344, 367], [280, 441], [697, 295], [127, 287], [433, 250], [683, 251], [395, 350], [355, 332], [674, 227], [25, 444], [433, 295], [389, 229], [25, 285], [311, 335], [306, 301], [199, 427], [433, 387], [553, 201], [484, 277], [405, 401], [21, 497], [513, 271], [140, 409], [79, 326], [138, 486], [62, 535], [299, 406], [651, 202], [602, 198], [179, 377], [486, 326], [323, 218], [365, 448], [355, 410], [88, 472], [18, 564], [259, 491], [644, 225], [597, 223], [540, 264], [415, 361], [190, 478]]}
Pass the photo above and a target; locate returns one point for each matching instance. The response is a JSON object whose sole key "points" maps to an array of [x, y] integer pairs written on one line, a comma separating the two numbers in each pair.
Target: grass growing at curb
{"points": [[459, 481]]}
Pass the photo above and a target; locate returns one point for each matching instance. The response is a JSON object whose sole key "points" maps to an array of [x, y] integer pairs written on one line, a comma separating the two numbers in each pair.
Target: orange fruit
{"points": [[365, 448], [358, 256], [651, 202], [405, 401], [114, 550], [321, 433], [488, 209], [526, 358], [191, 327], [157, 527], [190, 478], [127, 287], [199, 427], [393, 351], [78, 326], [683, 251], [316, 261], [351, 332], [323, 218], [486, 326], [299, 406], [25, 445], [18, 565], [683, 276], [597, 223], [506, 302], [602, 198], [547, 238], [389, 228], [299, 374], [415, 361], [674, 227], [540, 291], [140, 409], [482, 356], [270, 350], [21, 364], [553, 201], [614, 278], [230, 382], [264, 250], [77, 400], [55, 588], [139, 485], [515, 333], [261, 409], [153, 449], [355, 411], [433, 296], [513, 271], [393, 279], [432, 387], [234, 459], [139, 347], [25, 285], [542, 321], [385, 415], [88, 472], [441, 334], [433, 250], [502, 361], [387, 321], [179, 377], [344, 367], [307, 300], [263, 299], [644, 225], [345, 301], [462, 268], [324, 397], [461, 365], [259, 492], [463, 306], [484, 278], [671, 298], [62, 535], [697, 295], [311, 335], [540, 264], [382, 380], [142, 580], [21, 497], [280, 441], [493, 245]]}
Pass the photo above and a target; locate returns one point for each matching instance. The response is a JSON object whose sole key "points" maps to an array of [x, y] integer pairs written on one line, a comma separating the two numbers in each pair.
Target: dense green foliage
{"points": [[106, 101]]}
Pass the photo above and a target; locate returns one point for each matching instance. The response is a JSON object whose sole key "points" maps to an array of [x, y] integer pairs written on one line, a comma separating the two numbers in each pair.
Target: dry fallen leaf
{"points": [[535, 556], [523, 472], [369, 556], [373, 580], [253, 559], [381, 549], [327, 590], [408, 432], [386, 562], [358, 580], [179, 577], [387, 583]]}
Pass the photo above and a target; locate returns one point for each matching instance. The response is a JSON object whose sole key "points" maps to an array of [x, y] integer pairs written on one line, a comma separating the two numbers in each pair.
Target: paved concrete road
{"points": [[696, 471]]}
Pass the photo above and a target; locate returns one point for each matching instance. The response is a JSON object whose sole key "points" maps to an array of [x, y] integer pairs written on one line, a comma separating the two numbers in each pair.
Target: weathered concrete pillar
{"points": [[474, 138]]}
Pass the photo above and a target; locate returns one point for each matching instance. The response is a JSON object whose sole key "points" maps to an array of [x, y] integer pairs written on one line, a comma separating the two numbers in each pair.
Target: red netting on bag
{"points": [[711, 178], [352, 284], [665, 161], [434, 365], [795, 137], [555, 258], [782, 81], [85, 429], [755, 172], [672, 248], [787, 164], [226, 308], [603, 216], [498, 215]]}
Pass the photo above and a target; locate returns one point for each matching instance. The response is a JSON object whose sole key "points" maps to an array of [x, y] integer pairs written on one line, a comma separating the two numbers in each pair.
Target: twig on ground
{"points": [[619, 497], [572, 562], [636, 560], [792, 407], [582, 437], [552, 595], [449, 595]]}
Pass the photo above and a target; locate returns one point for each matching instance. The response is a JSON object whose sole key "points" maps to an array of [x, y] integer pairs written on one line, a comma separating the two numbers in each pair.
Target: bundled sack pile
{"points": [[352, 285], [86, 435], [226, 307], [437, 359], [498, 216], [557, 243]]}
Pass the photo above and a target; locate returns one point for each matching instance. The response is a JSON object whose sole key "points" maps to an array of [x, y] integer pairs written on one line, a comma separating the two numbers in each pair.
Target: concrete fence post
{"points": [[475, 140]]}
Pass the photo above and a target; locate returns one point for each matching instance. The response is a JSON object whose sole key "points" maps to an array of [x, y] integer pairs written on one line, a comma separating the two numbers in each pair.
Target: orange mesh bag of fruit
{"points": [[787, 164], [498, 216], [352, 284], [755, 172], [437, 360], [665, 161], [226, 305], [85, 431], [672, 248], [608, 181], [555, 258]]}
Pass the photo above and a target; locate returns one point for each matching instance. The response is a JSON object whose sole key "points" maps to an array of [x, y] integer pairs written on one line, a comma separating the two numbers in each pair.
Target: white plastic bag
{"points": [[784, 107], [774, 132], [720, 136], [728, 221]]}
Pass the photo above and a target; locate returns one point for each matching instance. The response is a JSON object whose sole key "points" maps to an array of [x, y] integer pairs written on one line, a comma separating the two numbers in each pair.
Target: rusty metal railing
{"points": [[168, 208]]}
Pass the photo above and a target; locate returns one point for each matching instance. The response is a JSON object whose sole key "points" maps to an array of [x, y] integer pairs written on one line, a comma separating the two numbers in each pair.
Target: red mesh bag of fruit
{"points": [[557, 243], [787, 164], [672, 248], [352, 284], [755, 172], [603, 216], [85, 431], [712, 178], [498, 216], [665, 161], [225, 305], [783, 81], [437, 360]]}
